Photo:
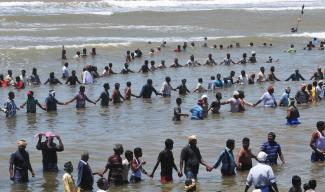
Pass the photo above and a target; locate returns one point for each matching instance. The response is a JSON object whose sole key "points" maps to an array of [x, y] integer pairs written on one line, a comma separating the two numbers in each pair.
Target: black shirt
{"points": [[104, 98], [72, 80], [51, 103], [166, 159], [182, 89], [49, 154], [147, 91], [192, 157], [21, 163], [144, 68]]}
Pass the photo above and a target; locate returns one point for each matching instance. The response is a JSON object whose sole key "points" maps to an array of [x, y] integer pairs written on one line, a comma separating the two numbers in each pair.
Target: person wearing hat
{"points": [[302, 95], [51, 102], [19, 164], [235, 104], [272, 149], [197, 111], [68, 181], [284, 100], [268, 98], [261, 175], [31, 103], [296, 76], [192, 158], [49, 151], [114, 164], [317, 143]]}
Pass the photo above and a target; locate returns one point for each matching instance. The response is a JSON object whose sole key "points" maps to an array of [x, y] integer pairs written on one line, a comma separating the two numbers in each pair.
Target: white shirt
{"points": [[200, 88], [261, 175], [243, 80], [166, 89], [320, 92], [65, 72], [261, 77], [87, 78], [126, 169], [268, 99], [234, 105]]}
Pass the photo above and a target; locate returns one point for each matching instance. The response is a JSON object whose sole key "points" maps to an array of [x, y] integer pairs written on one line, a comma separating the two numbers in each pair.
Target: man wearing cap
{"points": [[302, 95], [19, 164], [192, 157], [317, 143], [268, 98], [261, 175], [284, 100], [68, 181], [51, 102], [49, 151], [272, 149], [235, 104]]}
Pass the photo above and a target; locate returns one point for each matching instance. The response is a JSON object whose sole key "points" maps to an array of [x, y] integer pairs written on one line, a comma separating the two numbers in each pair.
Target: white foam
{"points": [[320, 35]]}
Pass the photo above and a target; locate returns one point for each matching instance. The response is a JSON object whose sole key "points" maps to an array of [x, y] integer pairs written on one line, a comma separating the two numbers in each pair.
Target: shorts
{"points": [[166, 179], [294, 121], [317, 157]]}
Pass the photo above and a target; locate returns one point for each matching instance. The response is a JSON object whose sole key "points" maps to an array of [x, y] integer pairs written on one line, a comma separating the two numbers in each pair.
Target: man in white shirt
{"points": [[268, 98], [87, 78], [261, 75], [261, 175], [320, 90], [65, 71], [243, 79]]}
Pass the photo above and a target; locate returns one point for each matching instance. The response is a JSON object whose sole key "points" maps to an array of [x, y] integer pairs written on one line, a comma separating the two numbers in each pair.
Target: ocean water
{"points": [[33, 32]]}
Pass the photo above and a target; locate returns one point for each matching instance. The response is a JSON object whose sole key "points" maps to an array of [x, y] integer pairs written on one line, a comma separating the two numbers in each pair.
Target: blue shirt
{"points": [[228, 162], [284, 100], [272, 150], [218, 83], [197, 112]]}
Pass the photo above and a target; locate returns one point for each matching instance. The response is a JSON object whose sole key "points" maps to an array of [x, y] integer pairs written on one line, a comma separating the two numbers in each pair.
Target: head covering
{"points": [[204, 96], [253, 52], [262, 156], [320, 81], [303, 85], [29, 93], [192, 137], [236, 93], [51, 93], [21, 142], [257, 190]]}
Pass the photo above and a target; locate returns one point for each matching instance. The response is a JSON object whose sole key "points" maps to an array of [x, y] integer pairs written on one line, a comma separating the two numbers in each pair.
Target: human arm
{"points": [[281, 155], [312, 143], [238, 157], [11, 166], [290, 77], [301, 77], [23, 105], [48, 80], [29, 166], [90, 101], [155, 167], [221, 156], [61, 146], [39, 142], [155, 91], [40, 106], [70, 101]]}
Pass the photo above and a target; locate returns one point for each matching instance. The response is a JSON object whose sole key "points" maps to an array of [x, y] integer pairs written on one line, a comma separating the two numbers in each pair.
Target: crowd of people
{"points": [[261, 175]]}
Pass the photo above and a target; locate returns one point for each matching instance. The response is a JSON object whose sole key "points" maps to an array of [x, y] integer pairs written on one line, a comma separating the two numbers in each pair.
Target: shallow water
{"points": [[35, 40]]}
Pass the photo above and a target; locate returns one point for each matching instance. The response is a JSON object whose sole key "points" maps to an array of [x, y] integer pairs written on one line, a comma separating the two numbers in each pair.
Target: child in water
{"points": [[178, 111], [136, 166]]}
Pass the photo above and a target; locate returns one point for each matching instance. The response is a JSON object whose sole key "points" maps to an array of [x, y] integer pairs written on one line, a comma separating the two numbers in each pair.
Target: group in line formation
{"points": [[261, 175]]}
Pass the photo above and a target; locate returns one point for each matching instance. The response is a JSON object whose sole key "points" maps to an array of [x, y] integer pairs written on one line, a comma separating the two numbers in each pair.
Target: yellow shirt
{"points": [[68, 183]]}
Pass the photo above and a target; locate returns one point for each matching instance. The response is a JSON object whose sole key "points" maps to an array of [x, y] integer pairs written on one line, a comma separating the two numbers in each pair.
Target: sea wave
{"points": [[108, 7]]}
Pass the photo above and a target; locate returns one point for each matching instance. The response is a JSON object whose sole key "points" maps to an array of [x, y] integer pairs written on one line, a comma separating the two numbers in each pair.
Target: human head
{"points": [[10, 72], [152, 62], [128, 155], [236, 94], [261, 157], [167, 79], [118, 149], [82, 88], [303, 87], [192, 57], [84, 51], [320, 125], [110, 65], [183, 81], [271, 136], [52, 93], [106, 86], [73, 73], [262, 69], [178, 101], [270, 89], [272, 69], [210, 56], [230, 144], [30, 94], [66, 64], [292, 46], [232, 73], [245, 55], [137, 152], [23, 72], [228, 55], [117, 86], [52, 75], [296, 181], [218, 76], [162, 62], [218, 95], [292, 102], [192, 140], [128, 84], [287, 90], [21, 144], [68, 167], [243, 73], [149, 82], [200, 80], [241, 94], [212, 77], [169, 144], [34, 71], [245, 142], [312, 184], [17, 79], [11, 95], [296, 71], [102, 183], [146, 62], [85, 156]]}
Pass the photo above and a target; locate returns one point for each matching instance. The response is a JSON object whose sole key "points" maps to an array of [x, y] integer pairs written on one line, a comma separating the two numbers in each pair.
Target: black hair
{"points": [[137, 150], [230, 142], [312, 183], [245, 139], [296, 181], [320, 124], [169, 143]]}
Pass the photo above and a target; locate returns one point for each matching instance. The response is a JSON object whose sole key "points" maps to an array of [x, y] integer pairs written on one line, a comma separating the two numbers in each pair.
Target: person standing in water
{"points": [[182, 89], [73, 79], [178, 110], [19, 164], [147, 90], [244, 156], [49, 151], [10, 107], [215, 105], [80, 99], [116, 95], [51, 102], [167, 88], [292, 113], [31, 103], [317, 143], [67, 178], [272, 149], [104, 96], [166, 159]]}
